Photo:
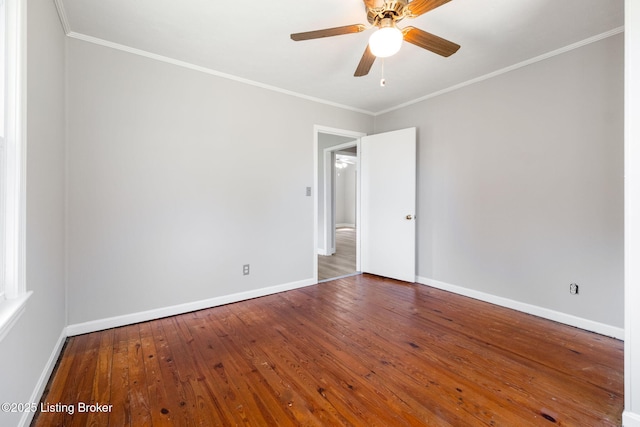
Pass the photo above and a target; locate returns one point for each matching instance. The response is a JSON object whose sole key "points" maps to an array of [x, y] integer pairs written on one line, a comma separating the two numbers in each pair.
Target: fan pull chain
{"points": [[383, 82]]}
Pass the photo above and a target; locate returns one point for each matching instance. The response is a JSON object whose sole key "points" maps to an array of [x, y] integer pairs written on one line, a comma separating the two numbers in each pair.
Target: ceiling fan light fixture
{"points": [[387, 39], [385, 42]]}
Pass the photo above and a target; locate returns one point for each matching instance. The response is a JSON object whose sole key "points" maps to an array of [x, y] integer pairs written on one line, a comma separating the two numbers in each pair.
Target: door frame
{"points": [[317, 130]]}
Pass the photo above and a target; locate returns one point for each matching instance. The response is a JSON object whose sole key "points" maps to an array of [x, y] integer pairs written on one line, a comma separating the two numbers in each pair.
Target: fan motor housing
{"points": [[393, 9]]}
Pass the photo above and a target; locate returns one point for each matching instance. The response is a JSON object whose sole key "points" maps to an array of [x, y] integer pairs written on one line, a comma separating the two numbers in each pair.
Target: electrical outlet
{"points": [[245, 269], [573, 289]]}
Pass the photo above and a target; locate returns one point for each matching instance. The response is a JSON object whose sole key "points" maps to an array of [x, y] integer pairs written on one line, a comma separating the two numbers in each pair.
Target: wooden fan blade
{"points": [[429, 41], [372, 4], [418, 7], [328, 32], [365, 63]]}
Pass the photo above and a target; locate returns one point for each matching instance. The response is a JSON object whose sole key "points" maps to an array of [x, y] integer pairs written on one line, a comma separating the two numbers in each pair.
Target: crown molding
{"points": [[184, 64], [507, 69], [90, 39], [62, 14]]}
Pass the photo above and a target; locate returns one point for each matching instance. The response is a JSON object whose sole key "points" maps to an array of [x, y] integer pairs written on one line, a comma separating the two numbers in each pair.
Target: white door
{"points": [[388, 204]]}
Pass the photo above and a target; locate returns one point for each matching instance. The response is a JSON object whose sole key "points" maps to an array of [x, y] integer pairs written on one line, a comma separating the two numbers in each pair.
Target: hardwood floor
{"points": [[343, 262], [359, 351]]}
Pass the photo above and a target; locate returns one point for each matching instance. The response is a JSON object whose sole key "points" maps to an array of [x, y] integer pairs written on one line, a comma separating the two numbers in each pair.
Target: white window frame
{"points": [[2, 145], [13, 203]]}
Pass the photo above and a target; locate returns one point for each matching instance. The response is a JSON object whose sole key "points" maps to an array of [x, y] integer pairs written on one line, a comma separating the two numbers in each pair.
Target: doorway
{"points": [[385, 200], [340, 179], [337, 213]]}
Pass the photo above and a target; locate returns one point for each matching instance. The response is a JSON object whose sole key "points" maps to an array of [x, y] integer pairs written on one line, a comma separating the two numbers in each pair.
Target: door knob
{"points": [[409, 217]]}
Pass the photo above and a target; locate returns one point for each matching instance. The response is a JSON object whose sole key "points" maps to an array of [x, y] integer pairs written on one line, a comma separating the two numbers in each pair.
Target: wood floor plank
{"points": [[138, 383], [362, 350], [83, 381], [158, 399], [101, 393], [120, 397], [176, 398]]}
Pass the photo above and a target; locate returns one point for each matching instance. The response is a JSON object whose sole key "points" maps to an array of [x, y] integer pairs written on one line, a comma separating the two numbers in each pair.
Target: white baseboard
{"points": [[345, 225], [567, 319], [630, 419], [143, 316], [26, 418]]}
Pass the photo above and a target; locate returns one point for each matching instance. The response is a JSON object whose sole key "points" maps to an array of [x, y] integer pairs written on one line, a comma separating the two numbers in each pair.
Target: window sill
{"points": [[10, 312]]}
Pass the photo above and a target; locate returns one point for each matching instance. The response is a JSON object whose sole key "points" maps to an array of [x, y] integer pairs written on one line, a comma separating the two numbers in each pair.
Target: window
{"points": [[13, 295], [3, 167]]}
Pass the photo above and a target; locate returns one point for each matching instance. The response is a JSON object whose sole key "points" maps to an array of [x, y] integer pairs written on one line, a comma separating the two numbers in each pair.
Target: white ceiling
{"points": [[250, 40]]}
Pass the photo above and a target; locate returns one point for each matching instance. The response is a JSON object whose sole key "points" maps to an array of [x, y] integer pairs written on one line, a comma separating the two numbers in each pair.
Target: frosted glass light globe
{"points": [[385, 42]]}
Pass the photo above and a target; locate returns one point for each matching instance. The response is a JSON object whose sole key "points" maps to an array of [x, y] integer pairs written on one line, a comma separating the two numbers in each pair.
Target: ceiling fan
{"points": [[386, 41]]}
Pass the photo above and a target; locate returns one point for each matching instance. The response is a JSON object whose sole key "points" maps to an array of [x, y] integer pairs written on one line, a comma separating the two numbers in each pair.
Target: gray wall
{"points": [[521, 183], [346, 195], [178, 178], [26, 350]]}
